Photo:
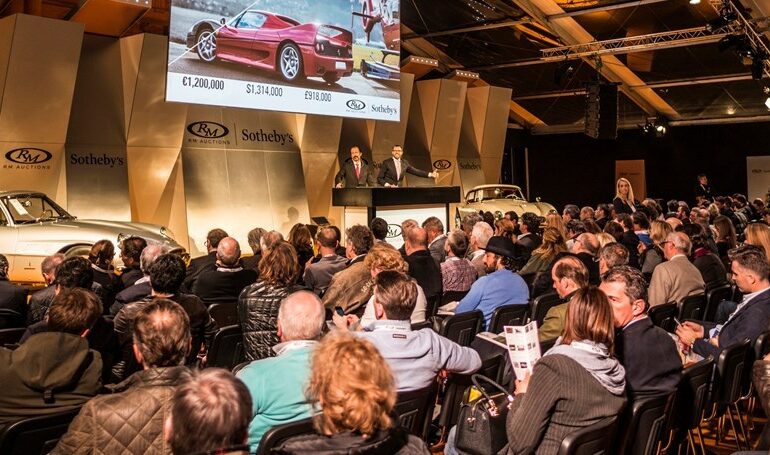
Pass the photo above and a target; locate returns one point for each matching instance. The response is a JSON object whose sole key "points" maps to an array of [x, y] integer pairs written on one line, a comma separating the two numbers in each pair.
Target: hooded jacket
{"points": [[52, 372]]}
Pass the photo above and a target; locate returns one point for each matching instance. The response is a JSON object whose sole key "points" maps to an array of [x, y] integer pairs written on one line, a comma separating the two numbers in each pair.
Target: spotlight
{"points": [[695, 2], [657, 127], [767, 103]]}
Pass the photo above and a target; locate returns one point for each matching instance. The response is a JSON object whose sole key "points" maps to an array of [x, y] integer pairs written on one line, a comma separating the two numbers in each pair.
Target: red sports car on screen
{"points": [[277, 43]]}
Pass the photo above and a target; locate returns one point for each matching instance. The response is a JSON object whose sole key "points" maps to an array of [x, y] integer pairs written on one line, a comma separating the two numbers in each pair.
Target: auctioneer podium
{"points": [[395, 205]]}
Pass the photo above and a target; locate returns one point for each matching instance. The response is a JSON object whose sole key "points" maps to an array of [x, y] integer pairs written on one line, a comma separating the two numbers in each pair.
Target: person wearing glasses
{"points": [[586, 247], [676, 278]]}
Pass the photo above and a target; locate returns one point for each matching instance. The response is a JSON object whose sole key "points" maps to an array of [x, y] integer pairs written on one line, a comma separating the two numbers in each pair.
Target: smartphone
{"points": [[340, 312], [677, 322]]}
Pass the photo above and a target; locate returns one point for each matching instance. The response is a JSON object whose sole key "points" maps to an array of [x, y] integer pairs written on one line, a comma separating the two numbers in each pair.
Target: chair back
{"points": [[462, 328], [541, 305], [10, 319], [36, 435], [431, 305], [693, 307], [592, 440], [453, 296], [762, 345], [415, 410], [644, 421], [240, 366], [508, 315], [224, 314], [455, 389], [11, 336], [737, 295], [422, 325], [226, 350], [279, 434], [663, 316], [714, 297], [692, 395], [730, 372]]}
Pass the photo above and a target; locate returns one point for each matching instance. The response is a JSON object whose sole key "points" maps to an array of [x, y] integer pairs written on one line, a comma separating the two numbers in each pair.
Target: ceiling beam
{"points": [[597, 9], [571, 33], [474, 28]]}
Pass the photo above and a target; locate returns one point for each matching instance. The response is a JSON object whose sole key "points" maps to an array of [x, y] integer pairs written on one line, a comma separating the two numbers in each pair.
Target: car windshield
{"points": [[33, 209], [501, 193]]}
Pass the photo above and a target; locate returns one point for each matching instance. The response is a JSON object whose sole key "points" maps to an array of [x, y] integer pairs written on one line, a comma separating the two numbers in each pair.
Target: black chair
{"points": [[714, 297], [431, 306], [10, 319], [693, 307], [11, 336], [224, 314], [422, 325], [592, 440], [35, 435], [727, 390], [692, 396], [663, 316], [415, 410], [541, 305], [226, 350], [644, 421], [462, 328], [453, 296], [279, 434], [239, 367], [762, 345], [508, 315]]}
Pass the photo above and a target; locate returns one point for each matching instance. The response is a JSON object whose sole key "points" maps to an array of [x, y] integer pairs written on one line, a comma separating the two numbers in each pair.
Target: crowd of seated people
{"points": [[335, 325]]}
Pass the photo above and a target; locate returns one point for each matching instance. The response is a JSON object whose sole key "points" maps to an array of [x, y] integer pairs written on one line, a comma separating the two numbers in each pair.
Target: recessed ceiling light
{"points": [[730, 110]]}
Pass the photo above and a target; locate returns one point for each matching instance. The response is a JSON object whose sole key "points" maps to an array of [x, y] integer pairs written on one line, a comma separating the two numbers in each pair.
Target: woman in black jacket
{"points": [[101, 256], [624, 201], [258, 304]]}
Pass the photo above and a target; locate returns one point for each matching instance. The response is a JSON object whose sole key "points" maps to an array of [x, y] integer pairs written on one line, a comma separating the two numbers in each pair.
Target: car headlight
{"points": [[166, 233]]}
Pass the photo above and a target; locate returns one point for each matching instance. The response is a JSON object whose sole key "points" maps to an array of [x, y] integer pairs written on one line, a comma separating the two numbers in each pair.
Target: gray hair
{"points": [[150, 254], [483, 232], [50, 263], [406, 225], [457, 242], [636, 285], [469, 221], [590, 243], [302, 316], [614, 254], [680, 241], [253, 239]]}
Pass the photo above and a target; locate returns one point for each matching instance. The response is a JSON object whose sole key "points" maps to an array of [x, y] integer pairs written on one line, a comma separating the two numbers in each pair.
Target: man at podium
{"points": [[393, 170], [354, 172]]}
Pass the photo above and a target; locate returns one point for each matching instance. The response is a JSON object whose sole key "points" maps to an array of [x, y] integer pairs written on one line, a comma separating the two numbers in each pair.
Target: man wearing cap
{"points": [[501, 286]]}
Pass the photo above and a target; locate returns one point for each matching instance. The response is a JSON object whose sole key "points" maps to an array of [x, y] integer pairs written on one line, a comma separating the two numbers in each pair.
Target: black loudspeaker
{"points": [[602, 111]]}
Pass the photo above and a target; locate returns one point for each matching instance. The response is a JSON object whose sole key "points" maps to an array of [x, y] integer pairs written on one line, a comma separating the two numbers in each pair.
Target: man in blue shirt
{"points": [[501, 286], [277, 384]]}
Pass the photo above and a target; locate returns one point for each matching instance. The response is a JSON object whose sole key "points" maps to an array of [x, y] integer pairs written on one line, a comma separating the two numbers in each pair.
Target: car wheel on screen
{"points": [[206, 46], [290, 63], [331, 78]]}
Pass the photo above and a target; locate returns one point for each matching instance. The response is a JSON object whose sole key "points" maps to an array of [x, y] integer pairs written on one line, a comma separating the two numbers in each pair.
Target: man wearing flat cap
{"points": [[501, 285]]}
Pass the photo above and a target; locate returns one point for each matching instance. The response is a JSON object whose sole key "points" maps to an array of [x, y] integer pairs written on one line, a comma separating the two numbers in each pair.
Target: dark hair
{"points": [[589, 317], [532, 222], [167, 274], [397, 293], [614, 229], [379, 228], [73, 311], [576, 226], [572, 210], [605, 208], [3, 266], [700, 176], [672, 205], [489, 218], [327, 237], [513, 216], [162, 333], [300, 238], [360, 237], [210, 411], [132, 247], [280, 268], [752, 258], [75, 272], [641, 219], [636, 285], [458, 243], [626, 221], [697, 234], [215, 236], [102, 253]]}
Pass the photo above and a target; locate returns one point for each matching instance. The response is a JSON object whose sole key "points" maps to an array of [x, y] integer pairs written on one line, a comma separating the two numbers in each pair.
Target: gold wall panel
{"points": [[38, 77], [386, 134], [319, 133], [97, 181], [495, 128]]}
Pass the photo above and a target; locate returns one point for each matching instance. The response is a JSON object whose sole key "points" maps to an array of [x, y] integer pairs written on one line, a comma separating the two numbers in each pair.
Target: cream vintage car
{"points": [[33, 226], [500, 199]]}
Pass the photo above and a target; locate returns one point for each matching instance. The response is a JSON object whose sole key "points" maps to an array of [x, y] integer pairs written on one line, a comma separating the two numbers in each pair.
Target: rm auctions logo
{"points": [[394, 230], [355, 104], [207, 132], [442, 165], [28, 158]]}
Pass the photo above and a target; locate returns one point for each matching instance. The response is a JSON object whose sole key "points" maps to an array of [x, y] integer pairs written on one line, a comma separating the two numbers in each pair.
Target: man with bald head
{"points": [[224, 283], [676, 278], [422, 266], [275, 402]]}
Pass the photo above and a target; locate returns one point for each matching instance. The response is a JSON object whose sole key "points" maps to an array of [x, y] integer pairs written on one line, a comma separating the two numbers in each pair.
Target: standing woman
{"points": [[624, 201]]}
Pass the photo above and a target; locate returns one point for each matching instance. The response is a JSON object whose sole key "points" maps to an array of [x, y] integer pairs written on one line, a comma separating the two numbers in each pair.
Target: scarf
{"points": [[595, 358]]}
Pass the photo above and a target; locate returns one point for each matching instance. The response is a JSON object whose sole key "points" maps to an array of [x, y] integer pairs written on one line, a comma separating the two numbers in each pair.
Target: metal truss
{"points": [[747, 28]]}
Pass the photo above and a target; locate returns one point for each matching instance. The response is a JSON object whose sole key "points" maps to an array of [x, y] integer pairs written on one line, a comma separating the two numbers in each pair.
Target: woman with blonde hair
{"points": [[758, 234], [574, 385], [541, 259], [651, 256], [383, 256], [354, 390], [554, 220], [605, 239], [624, 201]]}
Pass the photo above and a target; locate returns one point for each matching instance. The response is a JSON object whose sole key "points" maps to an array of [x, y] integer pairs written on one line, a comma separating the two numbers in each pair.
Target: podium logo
{"points": [[394, 230], [208, 130], [355, 104], [442, 165], [28, 156]]}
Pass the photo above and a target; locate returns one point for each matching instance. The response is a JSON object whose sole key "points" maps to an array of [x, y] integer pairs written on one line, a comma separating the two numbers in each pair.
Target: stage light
{"points": [[767, 103], [731, 110], [695, 2], [655, 126]]}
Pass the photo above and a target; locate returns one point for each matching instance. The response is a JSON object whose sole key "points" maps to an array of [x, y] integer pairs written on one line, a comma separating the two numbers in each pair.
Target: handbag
{"points": [[481, 427]]}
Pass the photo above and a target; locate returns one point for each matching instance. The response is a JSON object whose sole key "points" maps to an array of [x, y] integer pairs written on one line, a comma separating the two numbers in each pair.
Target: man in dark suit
{"points": [[224, 283], [647, 352], [141, 288], [436, 238], [130, 253], [422, 267], [703, 189], [393, 170], [206, 262], [12, 297], [354, 172], [750, 271], [528, 239]]}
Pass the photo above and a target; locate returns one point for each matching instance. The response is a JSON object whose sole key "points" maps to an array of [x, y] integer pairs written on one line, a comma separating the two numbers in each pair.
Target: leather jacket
{"points": [[258, 312], [395, 441]]}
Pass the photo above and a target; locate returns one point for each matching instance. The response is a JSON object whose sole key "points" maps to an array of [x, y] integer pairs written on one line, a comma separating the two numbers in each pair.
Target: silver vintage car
{"points": [[500, 199], [33, 226]]}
